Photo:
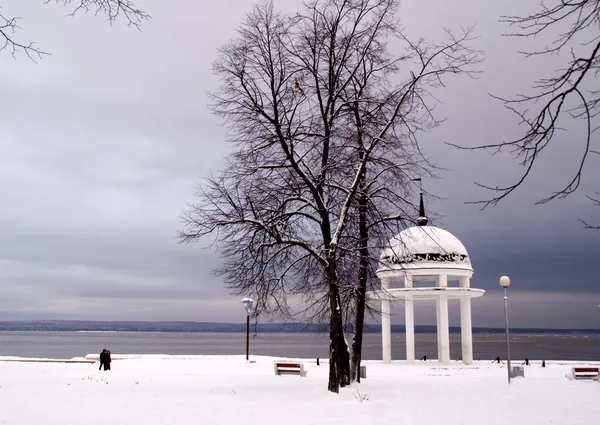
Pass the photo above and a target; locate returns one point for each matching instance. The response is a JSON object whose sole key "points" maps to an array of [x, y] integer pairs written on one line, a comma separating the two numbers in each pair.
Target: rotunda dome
{"points": [[425, 247]]}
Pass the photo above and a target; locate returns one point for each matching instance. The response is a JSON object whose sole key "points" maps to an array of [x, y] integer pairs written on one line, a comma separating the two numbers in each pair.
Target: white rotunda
{"points": [[419, 255]]}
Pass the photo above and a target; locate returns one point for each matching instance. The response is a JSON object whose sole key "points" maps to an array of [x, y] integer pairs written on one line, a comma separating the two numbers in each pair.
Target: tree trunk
{"points": [[363, 256], [361, 290], [339, 357]]}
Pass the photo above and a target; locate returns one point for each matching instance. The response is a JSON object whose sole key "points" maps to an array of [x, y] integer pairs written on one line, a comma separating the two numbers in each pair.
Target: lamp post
{"points": [[248, 305], [505, 283]]}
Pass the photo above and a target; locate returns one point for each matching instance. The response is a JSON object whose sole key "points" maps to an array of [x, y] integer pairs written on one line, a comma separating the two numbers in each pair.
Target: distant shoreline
{"points": [[395, 332], [216, 327]]}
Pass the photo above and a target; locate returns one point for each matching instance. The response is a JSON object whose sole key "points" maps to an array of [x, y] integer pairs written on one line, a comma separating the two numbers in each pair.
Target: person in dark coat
{"points": [[107, 361], [102, 359]]}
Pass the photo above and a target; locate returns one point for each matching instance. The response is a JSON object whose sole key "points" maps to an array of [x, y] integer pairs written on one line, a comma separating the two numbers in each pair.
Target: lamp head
{"points": [[248, 302], [505, 281]]}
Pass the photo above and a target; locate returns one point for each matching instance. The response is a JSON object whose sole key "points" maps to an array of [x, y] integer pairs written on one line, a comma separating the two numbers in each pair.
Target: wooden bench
{"points": [[284, 368], [585, 373]]}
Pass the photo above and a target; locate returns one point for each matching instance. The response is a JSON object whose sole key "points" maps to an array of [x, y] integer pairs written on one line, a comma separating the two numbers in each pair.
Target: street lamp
{"points": [[248, 305], [505, 283]]}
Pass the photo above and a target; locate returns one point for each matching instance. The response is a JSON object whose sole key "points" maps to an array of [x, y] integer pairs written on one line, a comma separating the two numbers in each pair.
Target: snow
{"points": [[424, 240], [164, 389]]}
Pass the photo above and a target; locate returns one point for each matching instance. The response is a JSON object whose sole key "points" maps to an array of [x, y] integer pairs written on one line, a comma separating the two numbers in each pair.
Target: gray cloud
{"points": [[102, 142]]}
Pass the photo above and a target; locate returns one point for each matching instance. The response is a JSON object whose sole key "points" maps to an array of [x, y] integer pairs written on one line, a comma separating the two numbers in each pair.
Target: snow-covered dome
{"points": [[425, 247]]}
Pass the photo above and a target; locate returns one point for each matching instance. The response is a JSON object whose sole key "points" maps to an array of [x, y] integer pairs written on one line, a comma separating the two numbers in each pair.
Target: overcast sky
{"points": [[102, 142]]}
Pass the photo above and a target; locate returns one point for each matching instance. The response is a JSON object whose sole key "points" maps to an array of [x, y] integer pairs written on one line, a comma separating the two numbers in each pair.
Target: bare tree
{"points": [[382, 198], [570, 94], [281, 212], [111, 9]]}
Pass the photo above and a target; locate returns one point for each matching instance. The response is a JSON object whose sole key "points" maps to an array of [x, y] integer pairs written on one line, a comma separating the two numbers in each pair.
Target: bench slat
{"points": [[585, 369], [585, 372], [289, 369]]}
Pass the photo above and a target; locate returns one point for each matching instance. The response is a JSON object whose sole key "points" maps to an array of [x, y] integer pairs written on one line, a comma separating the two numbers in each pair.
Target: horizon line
{"points": [[275, 324]]}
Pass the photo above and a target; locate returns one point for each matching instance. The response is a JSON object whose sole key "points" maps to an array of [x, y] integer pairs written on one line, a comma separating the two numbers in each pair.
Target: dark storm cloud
{"points": [[101, 145]]}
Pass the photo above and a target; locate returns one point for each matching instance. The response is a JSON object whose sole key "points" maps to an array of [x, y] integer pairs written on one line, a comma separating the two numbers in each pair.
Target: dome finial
{"points": [[422, 220]]}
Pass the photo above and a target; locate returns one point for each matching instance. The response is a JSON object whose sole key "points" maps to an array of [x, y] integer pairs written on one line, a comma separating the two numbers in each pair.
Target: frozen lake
{"points": [[306, 345]]}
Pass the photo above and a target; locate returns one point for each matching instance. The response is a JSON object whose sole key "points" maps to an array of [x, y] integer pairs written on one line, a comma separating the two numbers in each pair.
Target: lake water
{"points": [[305, 345]]}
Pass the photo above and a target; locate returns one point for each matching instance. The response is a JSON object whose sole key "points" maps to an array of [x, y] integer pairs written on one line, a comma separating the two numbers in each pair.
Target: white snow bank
{"points": [[213, 390], [43, 360]]}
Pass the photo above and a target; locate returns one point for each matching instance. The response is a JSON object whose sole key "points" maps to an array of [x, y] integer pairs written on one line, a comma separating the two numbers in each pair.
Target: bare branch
{"points": [[542, 112], [8, 26], [111, 9]]}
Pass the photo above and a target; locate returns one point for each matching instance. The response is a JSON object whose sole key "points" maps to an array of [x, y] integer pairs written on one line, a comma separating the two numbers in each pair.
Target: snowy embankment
{"points": [[212, 390]]}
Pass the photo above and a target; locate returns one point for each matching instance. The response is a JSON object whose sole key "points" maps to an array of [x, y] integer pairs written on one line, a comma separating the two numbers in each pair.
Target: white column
{"points": [[441, 282], [409, 321], [386, 324], [444, 331], [465, 282], [438, 329], [466, 331]]}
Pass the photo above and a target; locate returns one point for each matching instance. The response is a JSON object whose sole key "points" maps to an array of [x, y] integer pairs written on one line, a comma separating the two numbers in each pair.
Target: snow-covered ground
{"points": [[212, 390]]}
